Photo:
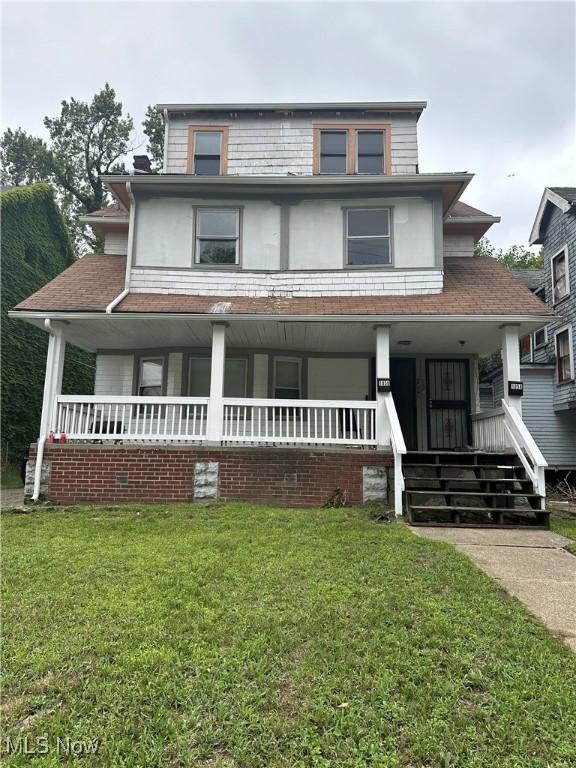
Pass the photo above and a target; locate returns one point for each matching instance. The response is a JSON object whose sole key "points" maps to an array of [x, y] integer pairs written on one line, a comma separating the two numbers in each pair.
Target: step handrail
{"points": [[525, 446], [398, 449]]}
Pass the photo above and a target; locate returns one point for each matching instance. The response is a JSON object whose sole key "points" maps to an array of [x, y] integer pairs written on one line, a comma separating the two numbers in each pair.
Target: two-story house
{"points": [[290, 309], [548, 354]]}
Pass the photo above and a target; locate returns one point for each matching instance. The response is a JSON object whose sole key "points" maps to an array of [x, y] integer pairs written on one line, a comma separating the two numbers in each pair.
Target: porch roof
{"points": [[473, 286]]}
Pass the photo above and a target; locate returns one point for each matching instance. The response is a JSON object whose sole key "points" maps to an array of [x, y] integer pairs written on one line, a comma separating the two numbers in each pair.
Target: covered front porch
{"points": [[218, 381]]}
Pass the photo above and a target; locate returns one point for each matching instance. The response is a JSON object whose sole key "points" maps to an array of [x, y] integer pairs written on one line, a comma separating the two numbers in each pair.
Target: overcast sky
{"points": [[499, 77]]}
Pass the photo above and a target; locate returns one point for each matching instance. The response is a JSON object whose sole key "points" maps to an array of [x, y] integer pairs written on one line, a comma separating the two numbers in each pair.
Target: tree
{"points": [[153, 125], [515, 257], [85, 141]]}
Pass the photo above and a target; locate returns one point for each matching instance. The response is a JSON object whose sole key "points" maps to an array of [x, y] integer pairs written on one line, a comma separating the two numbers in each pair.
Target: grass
{"points": [[10, 476], [564, 522], [238, 635]]}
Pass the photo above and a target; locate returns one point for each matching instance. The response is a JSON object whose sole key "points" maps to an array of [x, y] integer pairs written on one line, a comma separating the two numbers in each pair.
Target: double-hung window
{"points": [[287, 378], [349, 149], [217, 236], [150, 376], [333, 151], [560, 286], [368, 236], [564, 362], [207, 150]]}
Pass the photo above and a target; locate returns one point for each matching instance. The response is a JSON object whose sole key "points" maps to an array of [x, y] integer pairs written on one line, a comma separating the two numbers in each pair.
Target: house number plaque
{"points": [[383, 385], [516, 388]]}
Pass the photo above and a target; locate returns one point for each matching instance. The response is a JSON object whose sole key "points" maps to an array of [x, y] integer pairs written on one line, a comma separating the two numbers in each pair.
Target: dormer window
{"points": [[207, 150], [334, 152], [350, 149]]}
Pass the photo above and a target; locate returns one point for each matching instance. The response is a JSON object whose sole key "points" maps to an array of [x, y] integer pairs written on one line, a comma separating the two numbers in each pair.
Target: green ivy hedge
{"points": [[35, 248]]}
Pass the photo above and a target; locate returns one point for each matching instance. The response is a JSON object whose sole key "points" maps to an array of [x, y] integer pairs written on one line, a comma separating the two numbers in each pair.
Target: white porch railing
{"points": [[503, 428], [488, 431], [398, 449], [131, 418], [300, 422]]}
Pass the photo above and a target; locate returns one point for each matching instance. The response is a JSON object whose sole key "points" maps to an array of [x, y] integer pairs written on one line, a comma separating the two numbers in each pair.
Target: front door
{"points": [[448, 392], [403, 387]]}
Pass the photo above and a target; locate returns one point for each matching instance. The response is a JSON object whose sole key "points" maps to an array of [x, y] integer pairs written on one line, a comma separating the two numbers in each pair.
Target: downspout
{"points": [[121, 296], [165, 158], [49, 396]]}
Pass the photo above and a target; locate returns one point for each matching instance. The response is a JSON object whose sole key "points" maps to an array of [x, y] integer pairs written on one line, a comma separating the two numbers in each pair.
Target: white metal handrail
{"points": [[525, 446], [398, 445], [116, 418], [300, 422]]}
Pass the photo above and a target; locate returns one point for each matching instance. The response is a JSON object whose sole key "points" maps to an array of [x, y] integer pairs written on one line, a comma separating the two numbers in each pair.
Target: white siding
{"points": [[338, 378], [274, 146], [260, 387], [114, 375], [362, 282], [458, 245], [115, 242]]}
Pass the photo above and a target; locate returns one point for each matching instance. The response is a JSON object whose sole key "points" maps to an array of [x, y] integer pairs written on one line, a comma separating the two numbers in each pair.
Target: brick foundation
{"points": [[281, 476]]}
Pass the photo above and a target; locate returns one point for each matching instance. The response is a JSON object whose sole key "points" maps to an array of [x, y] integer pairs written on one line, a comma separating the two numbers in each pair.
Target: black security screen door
{"points": [[448, 391]]}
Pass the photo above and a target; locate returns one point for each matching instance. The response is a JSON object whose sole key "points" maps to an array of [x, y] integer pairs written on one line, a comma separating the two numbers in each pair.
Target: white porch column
{"points": [[511, 363], [52, 378], [215, 420], [382, 372]]}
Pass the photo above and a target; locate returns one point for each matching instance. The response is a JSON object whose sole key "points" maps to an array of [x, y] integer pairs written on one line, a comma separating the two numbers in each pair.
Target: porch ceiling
{"points": [[346, 337]]}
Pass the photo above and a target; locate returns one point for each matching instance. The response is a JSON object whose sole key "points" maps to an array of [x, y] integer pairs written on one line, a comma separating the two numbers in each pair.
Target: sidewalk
{"points": [[533, 566]]}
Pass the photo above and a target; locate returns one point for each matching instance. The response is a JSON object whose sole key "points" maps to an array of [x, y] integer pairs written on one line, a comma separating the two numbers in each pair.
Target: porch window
{"points": [[151, 376], [333, 151], [370, 152], [564, 363], [560, 286], [287, 379], [199, 370], [526, 346], [368, 236], [217, 236], [207, 150]]}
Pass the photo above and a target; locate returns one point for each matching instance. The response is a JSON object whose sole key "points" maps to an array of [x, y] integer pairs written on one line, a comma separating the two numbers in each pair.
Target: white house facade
{"points": [[288, 310]]}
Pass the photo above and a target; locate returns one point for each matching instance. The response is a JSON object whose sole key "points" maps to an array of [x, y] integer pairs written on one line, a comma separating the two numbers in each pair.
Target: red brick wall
{"points": [[94, 473]]}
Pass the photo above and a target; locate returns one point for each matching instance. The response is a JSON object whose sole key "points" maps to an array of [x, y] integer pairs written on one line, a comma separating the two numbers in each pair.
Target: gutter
{"points": [[129, 252]]}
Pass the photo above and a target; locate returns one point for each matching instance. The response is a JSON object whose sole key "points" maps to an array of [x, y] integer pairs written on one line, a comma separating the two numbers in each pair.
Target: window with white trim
{"points": [[540, 338], [368, 236], [564, 362], [560, 286], [199, 371], [287, 378], [150, 376], [217, 236]]}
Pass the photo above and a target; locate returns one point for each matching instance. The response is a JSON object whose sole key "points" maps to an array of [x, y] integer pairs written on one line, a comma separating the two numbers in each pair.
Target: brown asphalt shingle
{"points": [[472, 286]]}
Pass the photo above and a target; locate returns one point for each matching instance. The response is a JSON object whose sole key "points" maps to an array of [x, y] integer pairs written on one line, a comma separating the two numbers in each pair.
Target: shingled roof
{"points": [[472, 286]]}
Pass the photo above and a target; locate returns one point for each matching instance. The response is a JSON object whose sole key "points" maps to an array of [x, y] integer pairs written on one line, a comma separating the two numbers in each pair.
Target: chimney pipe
{"points": [[142, 164]]}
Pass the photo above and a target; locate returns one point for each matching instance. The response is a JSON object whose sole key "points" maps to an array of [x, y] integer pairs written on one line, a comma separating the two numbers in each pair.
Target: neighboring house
{"points": [[548, 354], [35, 248], [284, 312]]}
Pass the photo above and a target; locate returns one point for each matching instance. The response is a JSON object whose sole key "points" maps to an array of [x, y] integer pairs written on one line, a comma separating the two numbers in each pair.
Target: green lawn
{"points": [[564, 522], [239, 635]]}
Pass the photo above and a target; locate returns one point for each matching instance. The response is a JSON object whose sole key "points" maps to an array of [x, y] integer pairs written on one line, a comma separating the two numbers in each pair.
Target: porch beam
{"points": [[215, 415], [382, 372], [511, 363]]}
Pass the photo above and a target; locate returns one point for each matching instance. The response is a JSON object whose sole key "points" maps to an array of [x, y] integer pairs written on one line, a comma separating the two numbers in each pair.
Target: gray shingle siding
{"points": [[559, 231]]}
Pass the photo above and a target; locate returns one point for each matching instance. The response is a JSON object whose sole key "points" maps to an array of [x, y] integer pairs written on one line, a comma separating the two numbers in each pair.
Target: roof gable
{"points": [[562, 197]]}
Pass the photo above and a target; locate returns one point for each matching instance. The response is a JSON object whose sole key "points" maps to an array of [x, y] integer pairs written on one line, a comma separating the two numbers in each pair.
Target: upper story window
{"points": [[560, 279], [526, 346], [349, 149], [207, 150], [150, 376], [368, 236], [217, 236], [564, 362], [540, 338]]}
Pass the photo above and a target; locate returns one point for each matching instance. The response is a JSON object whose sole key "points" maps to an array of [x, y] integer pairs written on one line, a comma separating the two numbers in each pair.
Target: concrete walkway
{"points": [[533, 566]]}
